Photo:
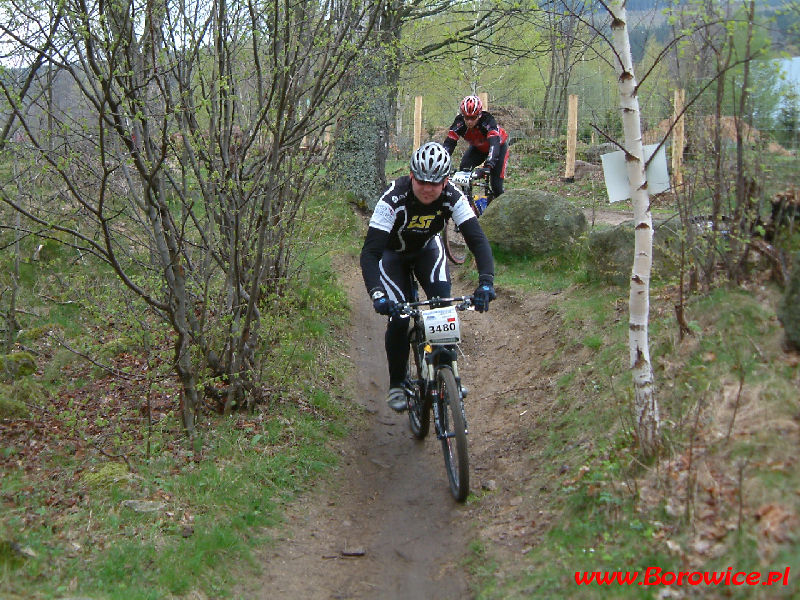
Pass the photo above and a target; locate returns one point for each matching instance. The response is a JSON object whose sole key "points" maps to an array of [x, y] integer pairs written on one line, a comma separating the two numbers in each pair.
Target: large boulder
{"points": [[789, 306], [610, 252], [592, 154], [530, 222], [586, 170]]}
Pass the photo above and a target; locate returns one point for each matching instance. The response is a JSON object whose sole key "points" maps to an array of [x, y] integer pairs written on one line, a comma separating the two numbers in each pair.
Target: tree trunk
{"points": [[647, 420], [743, 214]]}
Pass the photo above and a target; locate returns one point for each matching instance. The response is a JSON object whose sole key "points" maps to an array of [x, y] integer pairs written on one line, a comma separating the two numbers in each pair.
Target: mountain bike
{"points": [[478, 191], [433, 385]]}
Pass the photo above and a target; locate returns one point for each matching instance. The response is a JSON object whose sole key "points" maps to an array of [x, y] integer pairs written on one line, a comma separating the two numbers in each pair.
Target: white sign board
{"points": [[616, 174]]}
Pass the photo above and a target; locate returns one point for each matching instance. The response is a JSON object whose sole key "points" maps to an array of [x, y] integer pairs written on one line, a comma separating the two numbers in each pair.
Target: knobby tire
{"points": [[453, 434], [454, 245]]}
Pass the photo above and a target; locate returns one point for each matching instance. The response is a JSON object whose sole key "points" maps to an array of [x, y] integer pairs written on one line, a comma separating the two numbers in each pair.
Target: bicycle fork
{"points": [[433, 390]]}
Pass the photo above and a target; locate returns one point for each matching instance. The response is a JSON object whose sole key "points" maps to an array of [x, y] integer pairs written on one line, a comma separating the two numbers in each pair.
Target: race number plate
{"points": [[460, 177], [442, 326]]}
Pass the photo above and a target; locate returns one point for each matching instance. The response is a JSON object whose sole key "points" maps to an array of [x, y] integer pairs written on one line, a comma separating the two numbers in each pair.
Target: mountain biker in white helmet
{"points": [[403, 237], [488, 142]]}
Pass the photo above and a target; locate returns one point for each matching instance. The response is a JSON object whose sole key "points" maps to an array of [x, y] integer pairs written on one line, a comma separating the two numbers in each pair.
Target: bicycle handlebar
{"points": [[461, 177], [464, 303]]}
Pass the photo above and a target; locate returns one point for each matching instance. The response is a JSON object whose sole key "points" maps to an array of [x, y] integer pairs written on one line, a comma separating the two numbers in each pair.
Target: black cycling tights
{"points": [[431, 269], [473, 158]]}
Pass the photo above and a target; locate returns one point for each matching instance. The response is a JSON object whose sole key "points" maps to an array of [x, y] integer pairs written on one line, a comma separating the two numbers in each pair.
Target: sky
{"points": [[791, 67]]}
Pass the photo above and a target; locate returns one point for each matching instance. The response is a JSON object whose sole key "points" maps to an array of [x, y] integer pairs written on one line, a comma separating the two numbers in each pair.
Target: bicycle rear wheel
{"points": [[454, 245], [453, 433], [419, 410]]}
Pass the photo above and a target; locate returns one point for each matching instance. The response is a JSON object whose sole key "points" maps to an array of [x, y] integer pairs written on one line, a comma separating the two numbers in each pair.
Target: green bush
{"points": [[16, 365], [11, 408], [18, 396]]}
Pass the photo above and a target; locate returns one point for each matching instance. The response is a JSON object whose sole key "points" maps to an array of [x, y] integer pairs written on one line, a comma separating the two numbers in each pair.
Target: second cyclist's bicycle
{"points": [[433, 384], [479, 194]]}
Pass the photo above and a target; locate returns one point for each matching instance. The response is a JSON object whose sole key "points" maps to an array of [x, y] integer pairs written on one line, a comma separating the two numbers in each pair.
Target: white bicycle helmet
{"points": [[430, 163]]}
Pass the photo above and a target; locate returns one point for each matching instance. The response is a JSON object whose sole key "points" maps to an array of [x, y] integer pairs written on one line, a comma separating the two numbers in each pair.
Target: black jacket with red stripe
{"points": [[486, 136]]}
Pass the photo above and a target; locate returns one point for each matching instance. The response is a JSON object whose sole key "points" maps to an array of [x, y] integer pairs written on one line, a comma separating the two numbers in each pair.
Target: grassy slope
{"points": [[698, 506]]}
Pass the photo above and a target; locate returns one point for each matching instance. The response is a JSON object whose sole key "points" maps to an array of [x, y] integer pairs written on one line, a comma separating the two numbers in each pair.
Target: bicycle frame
{"points": [[430, 355], [431, 359], [468, 182]]}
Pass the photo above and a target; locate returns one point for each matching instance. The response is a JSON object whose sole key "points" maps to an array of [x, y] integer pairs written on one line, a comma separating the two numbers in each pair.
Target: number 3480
{"points": [[440, 327]]}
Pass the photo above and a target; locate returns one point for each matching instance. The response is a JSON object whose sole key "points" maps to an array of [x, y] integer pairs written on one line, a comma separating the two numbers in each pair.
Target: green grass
{"points": [[266, 465], [553, 273]]}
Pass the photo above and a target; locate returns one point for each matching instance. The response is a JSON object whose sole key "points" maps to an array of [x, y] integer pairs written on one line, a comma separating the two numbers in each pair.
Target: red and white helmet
{"points": [[471, 106]]}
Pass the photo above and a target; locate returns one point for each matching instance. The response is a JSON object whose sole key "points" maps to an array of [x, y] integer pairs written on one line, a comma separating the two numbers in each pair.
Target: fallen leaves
{"points": [[776, 522]]}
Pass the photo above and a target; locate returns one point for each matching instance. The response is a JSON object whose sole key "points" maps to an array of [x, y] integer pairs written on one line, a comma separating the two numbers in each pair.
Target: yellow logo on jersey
{"points": [[421, 221]]}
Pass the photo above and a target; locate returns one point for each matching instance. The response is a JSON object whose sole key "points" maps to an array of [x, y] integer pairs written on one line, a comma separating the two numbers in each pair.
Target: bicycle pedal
{"points": [[464, 391]]}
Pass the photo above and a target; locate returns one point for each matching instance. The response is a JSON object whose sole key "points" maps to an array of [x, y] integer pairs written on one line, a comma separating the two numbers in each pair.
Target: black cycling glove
{"points": [[483, 294], [382, 304]]}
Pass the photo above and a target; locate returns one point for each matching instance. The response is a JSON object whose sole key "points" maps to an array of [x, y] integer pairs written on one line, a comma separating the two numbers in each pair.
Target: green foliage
{"points": [[726, 50], [16, 365], [10, 407], [106, 476], [788, 121]]}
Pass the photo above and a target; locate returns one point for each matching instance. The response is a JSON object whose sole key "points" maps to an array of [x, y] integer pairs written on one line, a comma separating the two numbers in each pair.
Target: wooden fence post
{"points": [[417, 122], [484, 96], [678, 139], [572, 137]]}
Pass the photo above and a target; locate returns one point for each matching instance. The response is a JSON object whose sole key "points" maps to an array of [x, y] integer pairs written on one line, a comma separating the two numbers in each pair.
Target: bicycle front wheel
{"points": [[454, 245], [453, 433]]}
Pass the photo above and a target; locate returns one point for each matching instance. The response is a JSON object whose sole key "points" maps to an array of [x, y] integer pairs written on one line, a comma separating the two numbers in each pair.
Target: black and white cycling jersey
{"points": [[409, 223], [402, 224]]}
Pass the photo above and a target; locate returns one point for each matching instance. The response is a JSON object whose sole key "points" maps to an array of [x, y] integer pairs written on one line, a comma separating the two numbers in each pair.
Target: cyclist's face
{"points": [[426, 192], [472, 121]]}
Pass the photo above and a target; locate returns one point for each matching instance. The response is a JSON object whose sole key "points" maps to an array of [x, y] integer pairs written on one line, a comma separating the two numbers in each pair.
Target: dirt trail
{"points": [[386, 526]]}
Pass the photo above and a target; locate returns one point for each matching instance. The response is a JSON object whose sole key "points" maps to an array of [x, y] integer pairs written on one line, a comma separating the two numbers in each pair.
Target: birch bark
{"points": [[647, 419]]}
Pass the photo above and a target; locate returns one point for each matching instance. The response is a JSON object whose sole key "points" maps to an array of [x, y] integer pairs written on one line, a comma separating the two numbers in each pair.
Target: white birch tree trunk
{"points": [[647, 419]]}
